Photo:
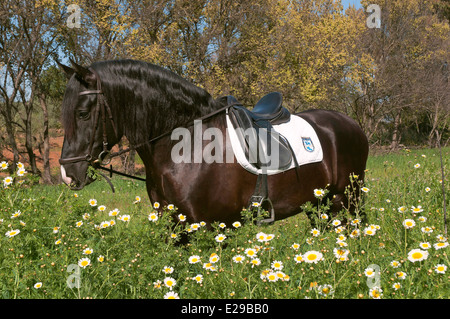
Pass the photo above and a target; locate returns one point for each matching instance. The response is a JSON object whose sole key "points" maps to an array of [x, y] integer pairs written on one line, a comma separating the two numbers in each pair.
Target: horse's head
{"points": [[89, 131]]}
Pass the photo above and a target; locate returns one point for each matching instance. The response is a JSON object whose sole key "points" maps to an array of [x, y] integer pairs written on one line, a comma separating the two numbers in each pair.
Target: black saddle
{"points": [[256, 133]]}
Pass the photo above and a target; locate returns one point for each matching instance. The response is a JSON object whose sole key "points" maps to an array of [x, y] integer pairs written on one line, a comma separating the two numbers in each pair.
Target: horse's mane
{"points": [[146, 100]]}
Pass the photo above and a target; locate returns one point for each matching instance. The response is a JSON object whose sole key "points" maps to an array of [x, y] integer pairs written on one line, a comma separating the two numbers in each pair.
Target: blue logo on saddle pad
{"points": [[308, 144]]}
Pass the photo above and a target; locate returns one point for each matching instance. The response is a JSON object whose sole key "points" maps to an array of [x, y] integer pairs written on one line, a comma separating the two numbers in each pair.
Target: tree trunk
{"points": [[396, 133], [46, 176]]}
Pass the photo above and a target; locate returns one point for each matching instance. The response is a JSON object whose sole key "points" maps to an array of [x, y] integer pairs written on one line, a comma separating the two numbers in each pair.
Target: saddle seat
{"points": [[256, 133]]}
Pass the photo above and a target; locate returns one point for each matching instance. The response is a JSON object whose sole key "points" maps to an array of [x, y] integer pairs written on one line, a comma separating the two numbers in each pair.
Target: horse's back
{"points": [[343, 141]]}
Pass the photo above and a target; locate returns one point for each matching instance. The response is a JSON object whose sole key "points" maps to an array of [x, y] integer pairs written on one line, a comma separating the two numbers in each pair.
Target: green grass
{"points": [[135, 252]]}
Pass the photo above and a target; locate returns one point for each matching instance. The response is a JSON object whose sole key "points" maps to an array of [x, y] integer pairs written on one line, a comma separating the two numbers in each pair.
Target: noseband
{"points": [[102, 108]]}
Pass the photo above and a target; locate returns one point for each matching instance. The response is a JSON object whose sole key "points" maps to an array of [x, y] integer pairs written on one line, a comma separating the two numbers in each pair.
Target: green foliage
{"points": [[133, 247]]}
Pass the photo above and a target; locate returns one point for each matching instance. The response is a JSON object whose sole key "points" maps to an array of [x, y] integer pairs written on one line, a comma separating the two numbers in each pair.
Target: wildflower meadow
{"points": [[57, 243]]}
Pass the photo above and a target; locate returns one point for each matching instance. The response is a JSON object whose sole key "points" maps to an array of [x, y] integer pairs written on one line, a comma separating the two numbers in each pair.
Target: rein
{"points": [[105, 156]]}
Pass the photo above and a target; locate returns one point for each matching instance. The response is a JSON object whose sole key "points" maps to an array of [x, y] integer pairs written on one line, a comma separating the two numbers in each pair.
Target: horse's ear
{"points": [[84, 73], [66, 69]]}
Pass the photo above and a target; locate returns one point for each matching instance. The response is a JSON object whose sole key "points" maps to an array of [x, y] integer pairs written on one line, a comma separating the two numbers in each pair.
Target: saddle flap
{"points": [[262, 145]]}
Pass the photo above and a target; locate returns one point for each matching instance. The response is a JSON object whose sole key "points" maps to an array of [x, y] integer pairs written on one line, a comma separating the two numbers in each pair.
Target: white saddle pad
{"points": [[301, 136]]}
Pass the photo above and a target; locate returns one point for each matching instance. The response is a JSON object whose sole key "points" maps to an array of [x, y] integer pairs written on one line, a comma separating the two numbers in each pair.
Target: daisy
{"points": [[295, 246], [336, 222], [395, 264], [277, 265], [125, 218], [440, 268], [37, 285], [137, 199], [7, 181], [236, 224], [315, 232], [101, 208], [194, 259], [79, 223], [21, 172], [58, 242], [156, 205], [417, 255], [402, 209], [84, 262], [376, 293], [153, 217], [341, 253], [422, 219], [342, 243], [169, 282], [365, 189], [319, 193], [55, 230], [222, 225], [255, 204], [325, 290], [101, 258], [355, 222], [427, 230], [261, 237], [4, 165], [220, 238], [182, 218], [19, 165], [255, 262], [427, 189], [441, 238], [355, 233], [214, 258], [417, 165], [171, 295], [272, 276], [238, 259], [198, 279], [396, 285], [114, 212], [400, 274], [417, 209], [12, 233], [93, 202], [323, 216], [88, 251], [312, 256], [440, 245], [269, 237], [425, 245], [195, 226], [250, 252], [171, 207], [409, 223], [369, 231], [298, 258], [157, 284], [369, 272], [167, 270], [104, 224], [16, 214], [86, 216]]}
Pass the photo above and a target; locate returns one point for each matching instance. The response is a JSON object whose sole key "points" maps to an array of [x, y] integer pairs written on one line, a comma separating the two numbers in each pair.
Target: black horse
{"points": [[144, 102]]}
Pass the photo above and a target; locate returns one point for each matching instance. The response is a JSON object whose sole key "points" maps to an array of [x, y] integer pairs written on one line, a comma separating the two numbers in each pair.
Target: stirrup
{"points": [[257, 201]]}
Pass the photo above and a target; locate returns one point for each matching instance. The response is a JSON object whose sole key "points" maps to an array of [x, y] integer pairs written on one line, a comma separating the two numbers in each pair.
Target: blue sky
{"points": [[347, 3]]}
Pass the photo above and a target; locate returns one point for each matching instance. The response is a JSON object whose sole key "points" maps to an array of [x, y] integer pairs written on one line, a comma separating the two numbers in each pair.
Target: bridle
{"points": [[105, 156], [102, 108]]}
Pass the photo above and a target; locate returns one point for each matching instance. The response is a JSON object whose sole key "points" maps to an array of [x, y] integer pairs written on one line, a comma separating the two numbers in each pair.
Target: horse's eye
{"points": [[83, 115]]}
